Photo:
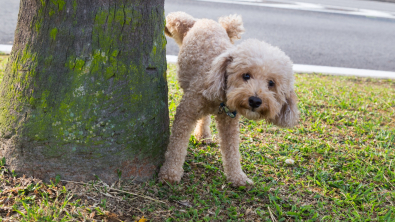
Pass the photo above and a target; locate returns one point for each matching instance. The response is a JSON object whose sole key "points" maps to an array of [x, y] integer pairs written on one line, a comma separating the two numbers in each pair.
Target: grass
{"points": [[344, 168], [3, 60]]}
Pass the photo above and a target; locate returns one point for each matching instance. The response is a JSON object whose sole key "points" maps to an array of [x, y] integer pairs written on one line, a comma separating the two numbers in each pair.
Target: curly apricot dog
{"points": [[253, 79]]}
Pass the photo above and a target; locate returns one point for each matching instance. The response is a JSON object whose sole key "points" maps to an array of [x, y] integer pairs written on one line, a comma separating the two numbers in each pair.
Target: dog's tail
{"points": [[233, 24], [178, 25]]}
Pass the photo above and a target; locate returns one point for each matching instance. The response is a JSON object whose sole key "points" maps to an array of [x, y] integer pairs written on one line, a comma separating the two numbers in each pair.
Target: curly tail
{"points": [[178, 25], [233, 24]]}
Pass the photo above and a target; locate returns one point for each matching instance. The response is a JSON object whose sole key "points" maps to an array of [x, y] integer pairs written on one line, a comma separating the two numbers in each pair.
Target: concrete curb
{"points": [[6, 49], [299, 68], [339, 71]]}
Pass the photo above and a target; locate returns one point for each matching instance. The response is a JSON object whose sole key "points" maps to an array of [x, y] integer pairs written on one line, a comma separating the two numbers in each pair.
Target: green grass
{"points": [[344, 168], [3, 60]]}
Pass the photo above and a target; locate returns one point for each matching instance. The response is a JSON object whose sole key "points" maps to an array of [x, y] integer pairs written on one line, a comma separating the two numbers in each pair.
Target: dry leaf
{"points": [[142, 219]]}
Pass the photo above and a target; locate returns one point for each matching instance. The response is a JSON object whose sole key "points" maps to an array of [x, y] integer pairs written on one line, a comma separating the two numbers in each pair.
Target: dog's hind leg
{"points": [[187, 114], [228, 129], [202, 130]]}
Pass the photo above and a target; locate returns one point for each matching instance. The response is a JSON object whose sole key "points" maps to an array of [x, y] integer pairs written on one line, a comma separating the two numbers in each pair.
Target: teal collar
{"points": [[224, 108]]}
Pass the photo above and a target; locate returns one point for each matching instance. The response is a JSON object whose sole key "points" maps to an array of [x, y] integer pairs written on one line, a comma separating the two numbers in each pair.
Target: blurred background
{"points": [[339, 33]]}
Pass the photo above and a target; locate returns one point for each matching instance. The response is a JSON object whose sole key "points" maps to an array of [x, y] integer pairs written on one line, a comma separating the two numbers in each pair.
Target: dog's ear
{"points": [[167, 32], [216, 78], [289, 114]]}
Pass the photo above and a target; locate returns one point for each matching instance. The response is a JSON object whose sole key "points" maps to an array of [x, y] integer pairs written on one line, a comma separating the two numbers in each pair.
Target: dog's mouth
{"points": [[262, 110], [254, 113]]}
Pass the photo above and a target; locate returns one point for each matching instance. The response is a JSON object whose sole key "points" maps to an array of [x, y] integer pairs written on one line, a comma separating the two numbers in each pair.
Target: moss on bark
{"points": [[86, 94]]}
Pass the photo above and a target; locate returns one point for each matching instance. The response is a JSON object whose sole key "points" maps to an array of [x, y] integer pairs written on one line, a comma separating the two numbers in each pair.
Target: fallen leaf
{"points": [[142, 219]]}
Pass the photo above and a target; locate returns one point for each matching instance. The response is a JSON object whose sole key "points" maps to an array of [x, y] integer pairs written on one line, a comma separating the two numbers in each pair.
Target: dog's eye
{"points": [[271, 83], [246, 76]]}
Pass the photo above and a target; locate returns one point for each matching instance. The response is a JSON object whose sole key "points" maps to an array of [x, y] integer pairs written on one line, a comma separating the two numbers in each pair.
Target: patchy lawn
{"points": [[3, 60], [344, 168]]}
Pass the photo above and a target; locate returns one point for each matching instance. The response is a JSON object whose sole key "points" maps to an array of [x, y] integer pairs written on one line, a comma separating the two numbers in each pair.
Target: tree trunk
{"points": [[85, 91]]}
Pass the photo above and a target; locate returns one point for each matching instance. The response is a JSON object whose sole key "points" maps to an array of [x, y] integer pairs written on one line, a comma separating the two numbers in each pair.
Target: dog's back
{"points": [[200, 42]]}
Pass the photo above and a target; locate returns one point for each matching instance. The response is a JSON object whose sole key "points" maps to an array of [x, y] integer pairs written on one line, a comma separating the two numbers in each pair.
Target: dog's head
{"points": [[255, 79]]}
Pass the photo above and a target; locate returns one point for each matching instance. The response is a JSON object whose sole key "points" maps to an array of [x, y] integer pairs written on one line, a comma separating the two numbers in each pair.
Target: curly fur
{"points": [[210, 72], [177, 25], [233, 24]]}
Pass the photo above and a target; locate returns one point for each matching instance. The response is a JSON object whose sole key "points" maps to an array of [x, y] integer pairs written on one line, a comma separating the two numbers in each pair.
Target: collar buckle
{"points": [[223, 108]]}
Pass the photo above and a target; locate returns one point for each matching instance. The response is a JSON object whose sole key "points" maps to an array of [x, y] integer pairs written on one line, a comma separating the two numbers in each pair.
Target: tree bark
{"points": [[85, 91]]}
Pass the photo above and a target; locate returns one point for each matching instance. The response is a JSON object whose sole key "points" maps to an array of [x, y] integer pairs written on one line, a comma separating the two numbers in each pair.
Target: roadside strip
{"points": [[6, 49], [299, 68]]}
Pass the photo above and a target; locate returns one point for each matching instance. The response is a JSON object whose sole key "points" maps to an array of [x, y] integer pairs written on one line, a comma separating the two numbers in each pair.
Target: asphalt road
{"points": [[8, 16], [313, 38]]}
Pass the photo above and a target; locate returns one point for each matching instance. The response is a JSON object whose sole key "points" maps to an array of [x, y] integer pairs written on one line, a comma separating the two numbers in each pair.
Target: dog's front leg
{"points": [[228, 129], [187, 114]]}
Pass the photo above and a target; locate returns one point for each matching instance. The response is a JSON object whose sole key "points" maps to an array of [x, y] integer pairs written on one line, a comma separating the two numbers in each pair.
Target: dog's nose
{"points": [[254, 102]]}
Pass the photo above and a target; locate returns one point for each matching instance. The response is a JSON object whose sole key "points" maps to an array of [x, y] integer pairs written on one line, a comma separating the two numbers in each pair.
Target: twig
{"points": [[135, 194], [271, 215], [389, 201]]}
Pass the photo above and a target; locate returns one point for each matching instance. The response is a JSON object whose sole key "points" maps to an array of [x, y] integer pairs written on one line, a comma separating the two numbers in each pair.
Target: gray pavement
{"points": [[313, 38], [360, 4], [8, 16]]}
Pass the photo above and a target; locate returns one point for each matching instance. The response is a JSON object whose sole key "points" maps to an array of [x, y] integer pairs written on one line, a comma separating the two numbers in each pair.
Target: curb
{"points": [[5, 49], [298, 68], [338, 71]]}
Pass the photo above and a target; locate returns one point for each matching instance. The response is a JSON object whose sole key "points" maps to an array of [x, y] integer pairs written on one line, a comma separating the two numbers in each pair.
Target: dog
{"points": [[253, 79]]}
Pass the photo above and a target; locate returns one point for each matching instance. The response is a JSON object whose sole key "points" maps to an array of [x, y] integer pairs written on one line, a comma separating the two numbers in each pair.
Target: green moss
{"points": [[75, 5], [3, 62], [37, 26], [120, 17], [48, 60], [39, 22], [53, 33], [32, 101], [51, 12], [44, 98], [79, 64], [59, 3], [154, 49]]}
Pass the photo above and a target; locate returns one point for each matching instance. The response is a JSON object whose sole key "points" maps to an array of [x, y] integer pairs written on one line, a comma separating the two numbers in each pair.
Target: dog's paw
{"points": [[169, 175], [240, 180]]}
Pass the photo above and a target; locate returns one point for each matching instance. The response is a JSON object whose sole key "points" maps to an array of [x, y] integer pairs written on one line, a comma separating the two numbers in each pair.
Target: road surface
{"points": [[314, 38], [308, 37]]}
